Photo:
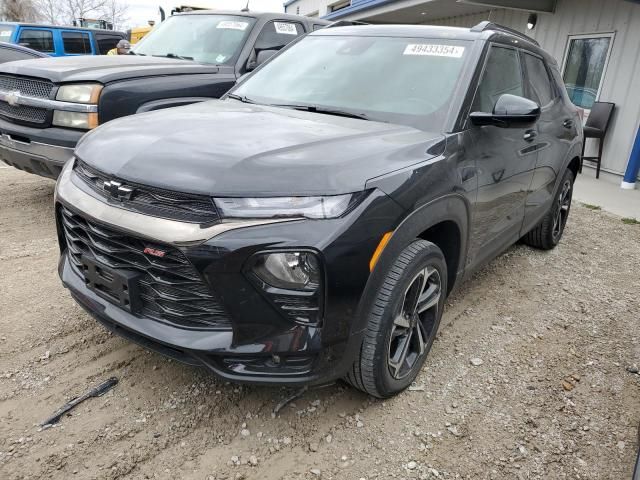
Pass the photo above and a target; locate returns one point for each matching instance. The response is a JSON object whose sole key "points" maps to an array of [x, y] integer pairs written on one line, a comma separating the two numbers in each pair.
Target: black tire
{"points": [[419, 274], [547, 234]]}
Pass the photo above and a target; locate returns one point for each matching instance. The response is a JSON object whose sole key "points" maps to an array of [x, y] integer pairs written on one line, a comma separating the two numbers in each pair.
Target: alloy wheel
{"points": [[413, 324], [562, 210]]}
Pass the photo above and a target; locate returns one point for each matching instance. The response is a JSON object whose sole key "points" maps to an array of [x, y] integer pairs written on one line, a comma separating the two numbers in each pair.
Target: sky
{"points": [[140, 11]]}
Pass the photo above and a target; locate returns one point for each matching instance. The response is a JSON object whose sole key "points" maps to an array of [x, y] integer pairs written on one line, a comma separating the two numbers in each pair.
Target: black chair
{"points": [[596, 127]]}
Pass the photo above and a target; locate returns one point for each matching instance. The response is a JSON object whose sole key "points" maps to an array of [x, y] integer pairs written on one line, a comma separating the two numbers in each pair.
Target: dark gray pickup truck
{"points": [[47, 105]]}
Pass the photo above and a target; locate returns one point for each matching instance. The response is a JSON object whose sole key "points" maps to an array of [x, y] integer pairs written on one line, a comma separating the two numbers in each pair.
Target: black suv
{"points": [[310, 225], [46, 106]]}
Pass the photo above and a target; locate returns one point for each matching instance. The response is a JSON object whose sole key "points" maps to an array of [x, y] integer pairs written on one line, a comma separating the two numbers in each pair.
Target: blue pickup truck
{"points": [[58, 41]]}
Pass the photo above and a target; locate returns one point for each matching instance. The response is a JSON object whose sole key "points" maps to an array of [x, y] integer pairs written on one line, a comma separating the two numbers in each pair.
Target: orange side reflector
{"points": [[376, 255]]}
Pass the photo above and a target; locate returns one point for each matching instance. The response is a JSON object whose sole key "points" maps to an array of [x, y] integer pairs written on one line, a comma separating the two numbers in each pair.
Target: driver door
{"points": [[505, 159]]}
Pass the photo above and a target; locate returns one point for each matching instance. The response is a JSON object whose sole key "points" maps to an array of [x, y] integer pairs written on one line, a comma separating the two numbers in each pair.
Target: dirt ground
{"points": [[553, 394]]}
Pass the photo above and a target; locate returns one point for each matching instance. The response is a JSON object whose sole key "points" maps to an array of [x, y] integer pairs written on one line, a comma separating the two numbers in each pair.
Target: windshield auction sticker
{"points": [[230, 25], [285, 28], [434, 50]]}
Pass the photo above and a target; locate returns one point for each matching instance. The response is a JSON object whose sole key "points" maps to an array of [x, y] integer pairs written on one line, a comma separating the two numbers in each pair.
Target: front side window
{"points": [[215, 39], [76, 43], [275, 35], [502, 75], [41, 40], [398, 80], [538, 80], [106, 42], [584, 68]]}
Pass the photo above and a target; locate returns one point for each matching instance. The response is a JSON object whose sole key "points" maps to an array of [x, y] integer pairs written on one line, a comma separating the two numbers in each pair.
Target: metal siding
{"points": [[622, 77]]}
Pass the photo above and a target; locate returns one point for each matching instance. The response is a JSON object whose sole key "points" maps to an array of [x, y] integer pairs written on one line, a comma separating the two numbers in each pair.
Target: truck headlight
{"points": [[80, 93], [333, 206], [84, 121]]}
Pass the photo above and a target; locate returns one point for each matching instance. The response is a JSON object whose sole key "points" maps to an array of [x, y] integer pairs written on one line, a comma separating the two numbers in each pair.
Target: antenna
{"points": [[246, 8]]}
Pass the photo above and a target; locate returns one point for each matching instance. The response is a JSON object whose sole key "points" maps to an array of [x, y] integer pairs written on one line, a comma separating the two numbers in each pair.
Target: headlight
{"points": [[289, 270], [84, 121], [80, 93], [283, 207]]}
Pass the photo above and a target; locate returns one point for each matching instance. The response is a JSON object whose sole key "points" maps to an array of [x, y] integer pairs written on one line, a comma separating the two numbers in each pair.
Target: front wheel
{"points": [[403, 322], [547, 234]]}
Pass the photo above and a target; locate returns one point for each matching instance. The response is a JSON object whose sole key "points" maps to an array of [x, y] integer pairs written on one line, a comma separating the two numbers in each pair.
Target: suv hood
{"points": [[105, 68], [228, 148]]}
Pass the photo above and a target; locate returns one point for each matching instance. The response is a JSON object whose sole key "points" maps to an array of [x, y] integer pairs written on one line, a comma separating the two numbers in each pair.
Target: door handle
{"points": [[530, 135], [567, 123]]}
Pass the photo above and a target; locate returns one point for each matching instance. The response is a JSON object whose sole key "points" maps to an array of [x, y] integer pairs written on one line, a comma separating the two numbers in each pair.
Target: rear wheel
{"points": [[403, 322], [547, 234]]}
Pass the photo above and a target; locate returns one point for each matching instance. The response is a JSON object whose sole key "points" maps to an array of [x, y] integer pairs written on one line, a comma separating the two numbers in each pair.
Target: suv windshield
{"points": [[398, 80], [213, 39]]}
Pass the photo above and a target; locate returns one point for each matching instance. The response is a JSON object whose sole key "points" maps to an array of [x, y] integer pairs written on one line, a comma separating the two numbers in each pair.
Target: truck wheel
{"points": [[403, 322], [547, 234]]}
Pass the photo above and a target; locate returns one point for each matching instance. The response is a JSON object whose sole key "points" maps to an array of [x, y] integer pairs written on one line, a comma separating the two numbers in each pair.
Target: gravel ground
{"points": [[531, 377]]}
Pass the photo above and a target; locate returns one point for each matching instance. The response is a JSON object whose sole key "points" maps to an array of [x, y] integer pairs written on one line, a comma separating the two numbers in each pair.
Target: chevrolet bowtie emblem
{"points": [[12, 98], [117, 190]]}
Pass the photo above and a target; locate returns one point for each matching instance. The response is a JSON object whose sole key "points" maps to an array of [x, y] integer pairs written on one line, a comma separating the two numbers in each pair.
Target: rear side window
{"points": [[106, 42], [502, 75], [41, 40], [76, 43], [275, 35], [5, 32], [539, 83]]}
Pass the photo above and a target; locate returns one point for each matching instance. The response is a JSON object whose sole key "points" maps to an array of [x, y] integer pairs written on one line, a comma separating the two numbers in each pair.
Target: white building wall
{"points": [[621, 83], [308, 7]]}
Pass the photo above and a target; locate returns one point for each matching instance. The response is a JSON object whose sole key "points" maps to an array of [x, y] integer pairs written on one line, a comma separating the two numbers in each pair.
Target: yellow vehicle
{"points": [[136, 33]]}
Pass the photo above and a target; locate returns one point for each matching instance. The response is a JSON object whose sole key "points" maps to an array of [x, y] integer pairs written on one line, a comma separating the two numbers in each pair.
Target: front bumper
{"points": [[262, 345], [39, 151]]}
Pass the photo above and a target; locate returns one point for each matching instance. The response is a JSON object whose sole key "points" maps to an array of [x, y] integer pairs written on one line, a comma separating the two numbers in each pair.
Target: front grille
{"points": [[153, 201], [26, 86], [23, 113], [170, 289], [29, 87]]}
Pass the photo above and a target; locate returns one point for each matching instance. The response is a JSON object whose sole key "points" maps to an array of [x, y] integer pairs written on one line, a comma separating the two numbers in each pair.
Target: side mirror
{"points": [[509, 111], [261, 57]]}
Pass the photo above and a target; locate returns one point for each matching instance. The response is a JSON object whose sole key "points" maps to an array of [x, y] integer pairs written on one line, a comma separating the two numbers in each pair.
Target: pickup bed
{"points": [[47, 105]]}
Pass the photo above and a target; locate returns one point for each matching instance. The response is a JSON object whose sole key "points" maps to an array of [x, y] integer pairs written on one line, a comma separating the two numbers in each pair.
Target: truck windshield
{"points": [[213, 39], [6, 31], [407, 81]]}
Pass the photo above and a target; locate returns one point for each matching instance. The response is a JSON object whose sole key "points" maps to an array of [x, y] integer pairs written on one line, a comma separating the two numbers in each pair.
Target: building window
{"points": [[339, 6], [584, 67]]}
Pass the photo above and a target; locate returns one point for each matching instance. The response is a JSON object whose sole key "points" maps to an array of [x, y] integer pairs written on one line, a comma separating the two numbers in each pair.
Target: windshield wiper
{"points": [[241, 98], [325, 110], [173, 55], [131, 52]]}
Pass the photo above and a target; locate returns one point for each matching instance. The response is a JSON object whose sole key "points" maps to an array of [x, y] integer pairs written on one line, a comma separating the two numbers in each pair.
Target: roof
{"points": [[260, 15], [64, 27]]}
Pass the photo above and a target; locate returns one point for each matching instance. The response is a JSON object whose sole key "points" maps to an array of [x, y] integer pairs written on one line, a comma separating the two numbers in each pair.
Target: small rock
{"points": [[633, 369], [329, 438], [286, 440], [567, 386], [253, 460], [315, 471], [412, 465], [476, 362], [359, 424], [244, 432], [313, 447]]}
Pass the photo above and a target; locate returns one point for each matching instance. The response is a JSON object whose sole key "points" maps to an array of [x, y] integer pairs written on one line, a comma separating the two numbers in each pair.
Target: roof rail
{"points": [[345, 23], [487, 25]]}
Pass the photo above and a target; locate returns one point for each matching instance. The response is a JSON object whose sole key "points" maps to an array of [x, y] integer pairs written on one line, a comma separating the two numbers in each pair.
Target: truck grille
{"points": [[170, 289], [26, 86], [153, 201], [29, 87]]}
